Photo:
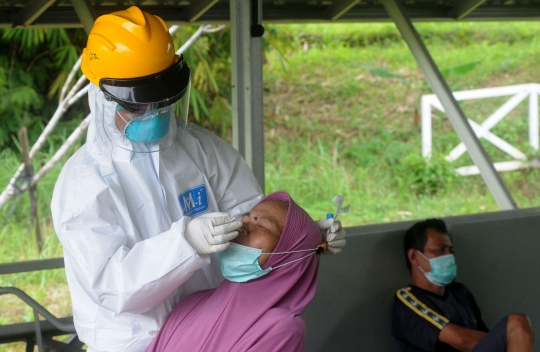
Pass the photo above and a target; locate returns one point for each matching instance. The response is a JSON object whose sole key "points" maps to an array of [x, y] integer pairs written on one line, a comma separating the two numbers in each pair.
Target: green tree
{"points": [[210, 62], [34, 64]]}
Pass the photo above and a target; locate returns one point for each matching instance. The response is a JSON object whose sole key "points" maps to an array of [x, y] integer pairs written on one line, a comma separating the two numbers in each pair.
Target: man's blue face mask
{"points": [[148, 128], [443, 269], [241, 263]]}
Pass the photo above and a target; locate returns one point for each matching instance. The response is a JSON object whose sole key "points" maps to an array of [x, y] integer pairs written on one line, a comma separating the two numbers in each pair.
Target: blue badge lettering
{"points": [[194, 201]]}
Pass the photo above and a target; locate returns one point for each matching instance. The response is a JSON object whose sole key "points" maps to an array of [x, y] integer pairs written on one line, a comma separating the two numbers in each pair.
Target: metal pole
{"points": [[257, 107], [240, 66], [85, 12], [453, 110], [247, 105]]}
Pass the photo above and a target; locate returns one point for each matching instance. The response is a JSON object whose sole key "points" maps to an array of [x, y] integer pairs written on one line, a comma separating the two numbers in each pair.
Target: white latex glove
{"points": [[335, 239], [211, 232]]}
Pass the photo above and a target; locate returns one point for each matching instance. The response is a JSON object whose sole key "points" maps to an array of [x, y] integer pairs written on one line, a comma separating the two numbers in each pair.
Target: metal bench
{"points": [[40, 332]]}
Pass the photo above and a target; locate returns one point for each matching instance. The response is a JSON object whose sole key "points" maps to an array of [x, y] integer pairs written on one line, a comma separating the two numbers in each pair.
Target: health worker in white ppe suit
{"points": [[144, 206]]}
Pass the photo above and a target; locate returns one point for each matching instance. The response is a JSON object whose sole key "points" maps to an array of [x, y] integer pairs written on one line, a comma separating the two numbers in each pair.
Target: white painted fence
{"points": [[517, 94]]}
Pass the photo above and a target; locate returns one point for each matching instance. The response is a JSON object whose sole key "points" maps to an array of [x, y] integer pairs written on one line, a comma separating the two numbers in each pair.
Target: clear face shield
{"points": [[145, 114]]}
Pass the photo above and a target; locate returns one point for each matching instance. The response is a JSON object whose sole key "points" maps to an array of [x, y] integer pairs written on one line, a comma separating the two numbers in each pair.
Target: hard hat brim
{"points": [[160, 89]]}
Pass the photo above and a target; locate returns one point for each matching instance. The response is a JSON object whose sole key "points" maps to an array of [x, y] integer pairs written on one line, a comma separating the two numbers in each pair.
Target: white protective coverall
{"points": [[120, 217]]}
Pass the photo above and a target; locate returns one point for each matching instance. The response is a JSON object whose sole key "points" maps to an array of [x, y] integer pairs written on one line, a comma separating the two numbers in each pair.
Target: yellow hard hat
{"points": [[127, 44], [130, 55]]}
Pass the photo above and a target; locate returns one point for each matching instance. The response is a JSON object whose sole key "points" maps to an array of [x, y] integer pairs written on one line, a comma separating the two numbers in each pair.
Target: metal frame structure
{"points": [[250, 141], [247, 84], [245, 18], [76, 13], [39, 332]]}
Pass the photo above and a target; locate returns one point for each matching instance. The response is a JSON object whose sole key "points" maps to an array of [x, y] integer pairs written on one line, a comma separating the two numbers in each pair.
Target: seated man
{"points": [[270, 278], [434, 313]]}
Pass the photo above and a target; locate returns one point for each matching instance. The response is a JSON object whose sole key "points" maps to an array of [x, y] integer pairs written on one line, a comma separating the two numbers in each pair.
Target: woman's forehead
{"points": [[275, 207], [274, 210]]}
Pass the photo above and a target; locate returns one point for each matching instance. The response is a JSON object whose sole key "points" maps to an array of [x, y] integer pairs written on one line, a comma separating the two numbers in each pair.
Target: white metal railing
{"points": [[517, 94]]}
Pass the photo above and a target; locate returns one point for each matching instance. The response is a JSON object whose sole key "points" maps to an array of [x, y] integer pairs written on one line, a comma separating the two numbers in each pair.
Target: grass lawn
{"points": [[335, 127]]}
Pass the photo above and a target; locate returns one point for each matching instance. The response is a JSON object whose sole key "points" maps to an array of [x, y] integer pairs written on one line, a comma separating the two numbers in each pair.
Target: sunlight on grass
{"points": [[350, 131]]}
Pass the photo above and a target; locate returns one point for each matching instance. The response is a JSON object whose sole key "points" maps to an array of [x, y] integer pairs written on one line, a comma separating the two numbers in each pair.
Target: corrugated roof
{"points": [[62, 13]]}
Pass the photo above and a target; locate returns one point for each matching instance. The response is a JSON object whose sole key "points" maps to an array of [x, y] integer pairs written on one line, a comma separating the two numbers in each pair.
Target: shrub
{"points": [[427, 177]]}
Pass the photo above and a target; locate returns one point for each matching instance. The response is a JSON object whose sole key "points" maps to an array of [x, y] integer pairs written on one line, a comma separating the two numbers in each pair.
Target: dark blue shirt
{"points": [[418, 316]]}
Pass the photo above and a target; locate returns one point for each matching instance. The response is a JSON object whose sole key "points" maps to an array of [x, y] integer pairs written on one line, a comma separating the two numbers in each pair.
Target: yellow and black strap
{"points": [[420, 308]]}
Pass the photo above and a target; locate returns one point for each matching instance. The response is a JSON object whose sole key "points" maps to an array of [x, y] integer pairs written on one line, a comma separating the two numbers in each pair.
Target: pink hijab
{"points": [[258, 315]]}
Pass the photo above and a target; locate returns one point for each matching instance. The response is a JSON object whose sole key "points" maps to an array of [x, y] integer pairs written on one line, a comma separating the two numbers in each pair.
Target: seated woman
{"points": [[270, 278]]}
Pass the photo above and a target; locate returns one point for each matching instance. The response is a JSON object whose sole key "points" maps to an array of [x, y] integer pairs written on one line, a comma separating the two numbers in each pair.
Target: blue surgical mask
{"points": [[443, 269], [241, 263], [147, 130]]}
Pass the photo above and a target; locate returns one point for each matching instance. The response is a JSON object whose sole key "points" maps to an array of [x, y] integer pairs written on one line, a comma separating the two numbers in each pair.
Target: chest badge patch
{"points": [[194, 201]]}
